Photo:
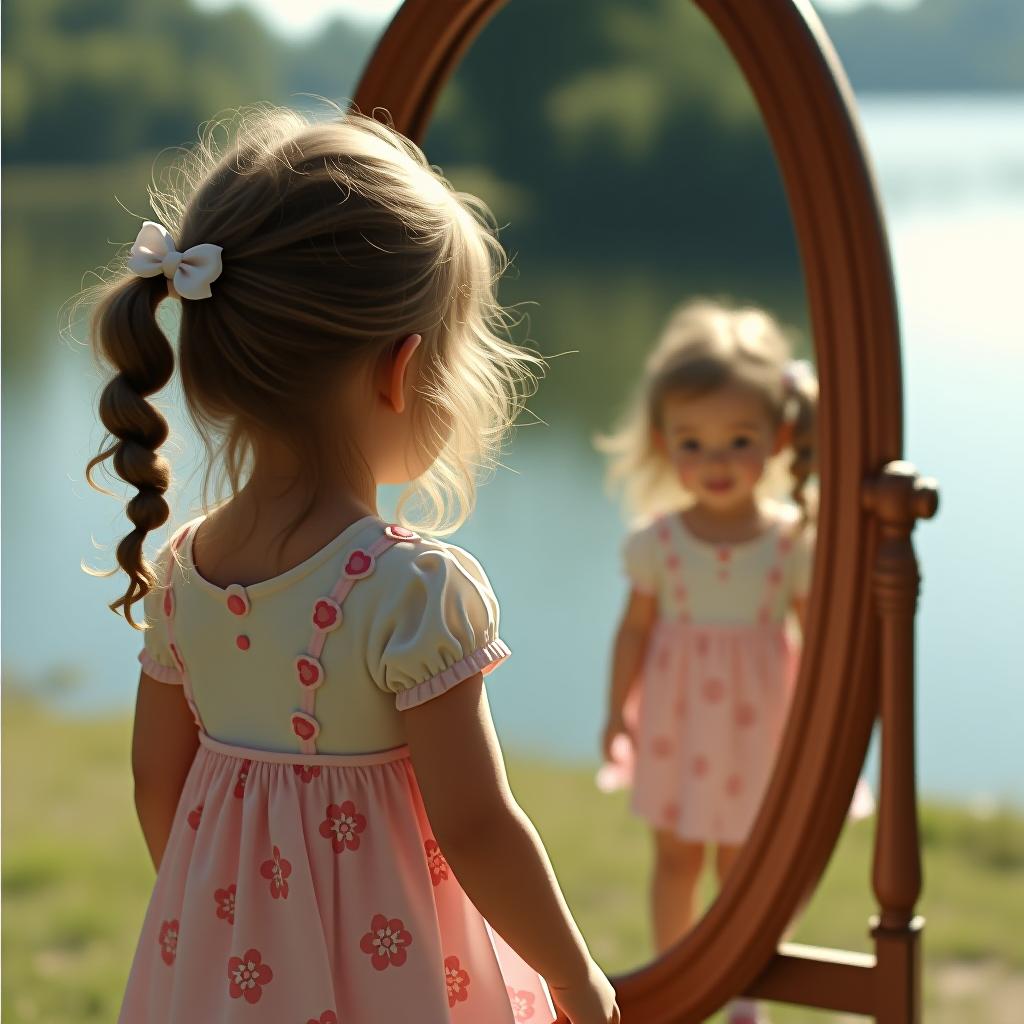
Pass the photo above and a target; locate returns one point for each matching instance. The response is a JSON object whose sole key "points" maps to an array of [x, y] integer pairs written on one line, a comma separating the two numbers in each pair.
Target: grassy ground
{"points": [[76, 879]]}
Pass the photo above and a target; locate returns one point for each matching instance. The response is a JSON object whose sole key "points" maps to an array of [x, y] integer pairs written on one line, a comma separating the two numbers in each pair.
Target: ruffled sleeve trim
{"points": [[484, 660], [153, 669]]}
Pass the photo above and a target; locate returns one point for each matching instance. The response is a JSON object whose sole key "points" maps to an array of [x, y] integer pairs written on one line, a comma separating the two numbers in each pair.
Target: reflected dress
{"points": [[709, 710], [301, 882]]}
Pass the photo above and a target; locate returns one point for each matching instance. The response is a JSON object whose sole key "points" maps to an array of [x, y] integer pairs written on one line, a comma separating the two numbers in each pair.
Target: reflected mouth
{"points": [[718, 486]]}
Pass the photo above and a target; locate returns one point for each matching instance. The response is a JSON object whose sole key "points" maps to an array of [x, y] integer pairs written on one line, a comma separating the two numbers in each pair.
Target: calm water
{"points": [[952, 175]]}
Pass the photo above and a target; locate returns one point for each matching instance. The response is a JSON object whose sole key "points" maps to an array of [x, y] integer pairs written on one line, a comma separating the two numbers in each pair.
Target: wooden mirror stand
{"points": [[858, 662]]}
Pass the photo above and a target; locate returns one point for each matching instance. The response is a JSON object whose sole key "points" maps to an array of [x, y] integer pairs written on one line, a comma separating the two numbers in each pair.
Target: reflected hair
{"points": [[704, 347], [339, 240]]}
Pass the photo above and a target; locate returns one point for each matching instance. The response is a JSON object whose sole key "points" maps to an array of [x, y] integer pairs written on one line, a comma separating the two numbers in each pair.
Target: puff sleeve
{"points": [[155, 657], [639, 557], [439, 628]]}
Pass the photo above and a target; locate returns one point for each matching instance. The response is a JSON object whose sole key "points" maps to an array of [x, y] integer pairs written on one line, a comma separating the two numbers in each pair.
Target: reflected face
{"points": [[719, 444]]}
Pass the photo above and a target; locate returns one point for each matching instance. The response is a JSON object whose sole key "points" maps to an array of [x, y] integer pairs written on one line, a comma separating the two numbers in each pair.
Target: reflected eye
{"points": [[741, 442], [689, 445]]}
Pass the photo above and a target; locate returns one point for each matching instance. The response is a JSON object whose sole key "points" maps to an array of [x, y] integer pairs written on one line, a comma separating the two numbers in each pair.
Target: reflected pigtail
{"points": [[126, 335], [802, 391]]}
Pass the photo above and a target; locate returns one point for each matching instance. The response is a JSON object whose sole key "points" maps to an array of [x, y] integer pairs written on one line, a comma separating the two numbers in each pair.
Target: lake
{"points": [[951, 171]]}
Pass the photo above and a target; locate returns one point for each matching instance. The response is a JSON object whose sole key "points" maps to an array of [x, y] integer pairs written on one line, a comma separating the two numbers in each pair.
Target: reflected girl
{"points": [[706, 653]]}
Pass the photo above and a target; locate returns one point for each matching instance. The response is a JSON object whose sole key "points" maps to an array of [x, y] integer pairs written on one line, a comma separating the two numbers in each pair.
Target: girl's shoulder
{"points": [[173, 551], [417, 570], [431, 618], [645, 537], [414, 555], [796, 541], [646, 547], [652, 529], [388, 565]]}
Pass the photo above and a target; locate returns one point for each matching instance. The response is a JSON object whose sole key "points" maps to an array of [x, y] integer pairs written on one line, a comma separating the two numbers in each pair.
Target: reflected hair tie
{"points": [[189, 274], [798, 372]]}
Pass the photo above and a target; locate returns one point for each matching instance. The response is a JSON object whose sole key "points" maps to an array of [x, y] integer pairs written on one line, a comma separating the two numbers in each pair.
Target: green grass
{"points": [[76, 878]]}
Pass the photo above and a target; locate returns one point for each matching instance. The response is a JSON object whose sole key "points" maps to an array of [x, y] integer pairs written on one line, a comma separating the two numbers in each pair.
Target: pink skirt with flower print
{"points": [[707, 720], [314, 893]]}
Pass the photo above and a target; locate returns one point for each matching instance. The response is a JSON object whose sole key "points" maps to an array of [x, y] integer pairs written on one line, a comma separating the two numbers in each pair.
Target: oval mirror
{"points": [[616, 232], [785, 60]]}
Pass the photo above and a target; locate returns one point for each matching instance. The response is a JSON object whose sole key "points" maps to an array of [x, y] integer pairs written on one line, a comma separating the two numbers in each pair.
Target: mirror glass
{"points": [[631, 177]]}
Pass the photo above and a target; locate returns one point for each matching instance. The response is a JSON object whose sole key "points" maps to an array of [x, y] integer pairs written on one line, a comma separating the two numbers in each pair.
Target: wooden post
{"points": [[898, 498]]}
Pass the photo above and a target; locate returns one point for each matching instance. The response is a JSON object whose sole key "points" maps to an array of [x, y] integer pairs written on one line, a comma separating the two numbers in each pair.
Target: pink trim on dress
{"points": [[289, 757], [674, 564], [328, 616], [153, 669], [484, 659]]}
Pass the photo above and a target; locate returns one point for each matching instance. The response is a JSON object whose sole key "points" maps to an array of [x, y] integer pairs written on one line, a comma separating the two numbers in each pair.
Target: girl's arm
{"points": [[628, 659], [494, 850], [164, 743]]}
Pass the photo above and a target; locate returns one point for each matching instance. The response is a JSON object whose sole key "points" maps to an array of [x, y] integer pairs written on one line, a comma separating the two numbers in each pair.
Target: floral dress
{"points": [[301, 883], [711, 705]]}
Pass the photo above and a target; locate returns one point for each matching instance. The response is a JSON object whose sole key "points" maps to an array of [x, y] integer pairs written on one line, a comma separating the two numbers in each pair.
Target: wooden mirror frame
{"points": [[858, 659]]}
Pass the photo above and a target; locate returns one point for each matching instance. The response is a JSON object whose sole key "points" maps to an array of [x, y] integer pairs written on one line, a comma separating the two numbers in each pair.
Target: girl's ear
{"points": [[395, 372], [659, 442], [783, 438]]}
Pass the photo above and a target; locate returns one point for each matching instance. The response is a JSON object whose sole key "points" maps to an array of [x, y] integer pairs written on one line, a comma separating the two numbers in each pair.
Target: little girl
{"points": [[704, 658], [316, 773]]}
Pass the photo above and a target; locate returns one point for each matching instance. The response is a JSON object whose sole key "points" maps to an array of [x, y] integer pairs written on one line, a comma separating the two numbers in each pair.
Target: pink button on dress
{"points": [[711, 706], [302, 881]]}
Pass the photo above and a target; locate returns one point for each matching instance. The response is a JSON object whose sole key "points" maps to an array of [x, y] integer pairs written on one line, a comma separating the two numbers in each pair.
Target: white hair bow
{"points": [[799, 372], [190, 272]]}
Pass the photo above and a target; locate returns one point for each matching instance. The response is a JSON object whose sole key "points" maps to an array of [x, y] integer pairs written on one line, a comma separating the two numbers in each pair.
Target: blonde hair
{"points": [[339, 240], [704, 347]]}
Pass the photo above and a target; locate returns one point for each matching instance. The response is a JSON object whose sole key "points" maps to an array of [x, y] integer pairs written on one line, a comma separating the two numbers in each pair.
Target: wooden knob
{"points": [[898, 494], [926, 497]]}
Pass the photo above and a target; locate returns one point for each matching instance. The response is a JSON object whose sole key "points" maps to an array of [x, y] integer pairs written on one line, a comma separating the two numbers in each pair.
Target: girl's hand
{"points": [[631, 646], [616, 726], [592, 1001], [494, 850]]}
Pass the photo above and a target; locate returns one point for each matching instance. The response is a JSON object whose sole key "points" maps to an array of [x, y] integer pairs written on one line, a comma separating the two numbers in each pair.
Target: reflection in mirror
{"points": [[714, 458], [631, 176]]}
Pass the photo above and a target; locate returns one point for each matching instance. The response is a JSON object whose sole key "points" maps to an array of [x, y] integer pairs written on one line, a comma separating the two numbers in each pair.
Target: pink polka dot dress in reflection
{"points": [[302, 881], [710, 709]]}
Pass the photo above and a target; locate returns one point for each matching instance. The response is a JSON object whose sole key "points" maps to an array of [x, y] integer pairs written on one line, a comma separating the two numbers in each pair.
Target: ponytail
{"points": [[802, 394], [126, 335]]}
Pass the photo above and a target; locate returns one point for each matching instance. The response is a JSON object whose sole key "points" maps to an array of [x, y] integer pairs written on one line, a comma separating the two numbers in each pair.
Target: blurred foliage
{"points": [[613, 122], [100, 80], [945, 45], [631, 127]]}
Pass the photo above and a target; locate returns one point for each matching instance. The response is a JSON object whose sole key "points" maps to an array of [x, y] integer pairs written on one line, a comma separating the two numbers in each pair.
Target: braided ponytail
{"points": [[802, 392], [127, 337]]}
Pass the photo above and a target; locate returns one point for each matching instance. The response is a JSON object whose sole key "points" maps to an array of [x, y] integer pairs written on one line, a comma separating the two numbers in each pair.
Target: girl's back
{"points": [[313, 754], [408, 617], [302, 873]]}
